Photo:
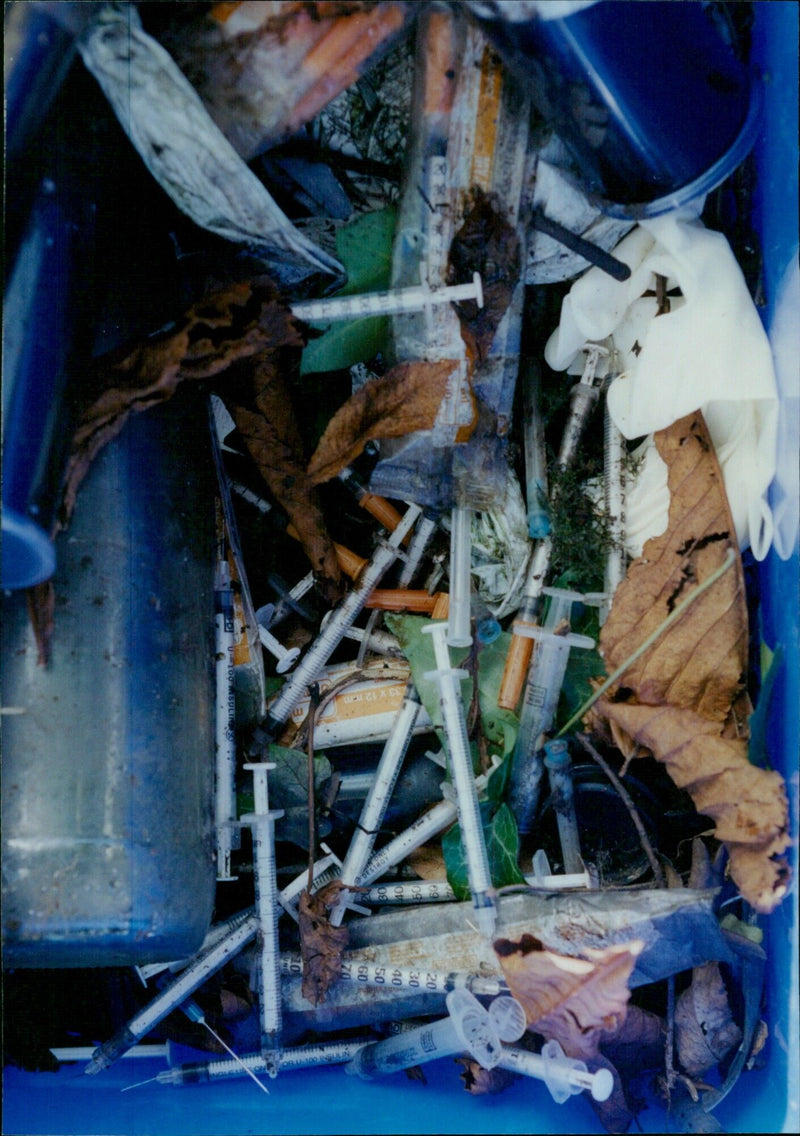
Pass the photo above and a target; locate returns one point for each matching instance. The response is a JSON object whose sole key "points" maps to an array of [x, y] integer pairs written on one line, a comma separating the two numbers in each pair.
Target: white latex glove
{"points": [[709, 351]]}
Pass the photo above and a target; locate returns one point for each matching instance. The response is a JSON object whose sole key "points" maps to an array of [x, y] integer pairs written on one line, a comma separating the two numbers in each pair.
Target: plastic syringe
{"points": [[563, 1075], [216, 934], [332, 634], [243, 928], [430, 824], [391, 303], [559, 771], [377, 799], [542, 690], [365, 973], [535, 456], [225, 787], [614, 492], [468, 1027], [455, 725], [582, 398], [262, 822], [459, 633], [296, 1057], [423, 534]]}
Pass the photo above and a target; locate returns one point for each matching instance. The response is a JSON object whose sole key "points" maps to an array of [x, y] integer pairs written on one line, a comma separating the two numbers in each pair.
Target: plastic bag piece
{"points": [[693, 356], [187, 154]]}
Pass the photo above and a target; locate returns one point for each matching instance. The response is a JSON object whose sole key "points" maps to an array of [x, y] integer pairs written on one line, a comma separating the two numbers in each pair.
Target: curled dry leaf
{"points": [[705, 1031], [233, 323], [683, 699], [321, 944], [405, 399], [577, 1001]]}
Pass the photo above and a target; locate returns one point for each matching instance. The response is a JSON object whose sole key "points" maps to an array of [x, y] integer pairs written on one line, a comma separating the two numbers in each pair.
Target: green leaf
{"points": [[288, 782], [344, 343], [418, 649], [502, 850], [497, 781], [365, 249]]}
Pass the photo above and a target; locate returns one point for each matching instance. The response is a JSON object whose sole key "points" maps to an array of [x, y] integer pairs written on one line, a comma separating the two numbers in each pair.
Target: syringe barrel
{"points": [[459, 633], [559, 769], [542, 689], [413, 1047], [431, 823], [378, 797], [423, 534]]}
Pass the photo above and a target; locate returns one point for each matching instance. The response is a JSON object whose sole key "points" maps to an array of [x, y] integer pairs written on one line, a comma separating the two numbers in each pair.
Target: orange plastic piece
{"points": [[222, 11], [350, 562], [516, 669], [410, 599], [383, 511]]}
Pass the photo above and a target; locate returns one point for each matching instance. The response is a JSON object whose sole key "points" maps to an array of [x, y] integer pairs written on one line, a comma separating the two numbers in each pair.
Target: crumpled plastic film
{"points": [[710, 351]]}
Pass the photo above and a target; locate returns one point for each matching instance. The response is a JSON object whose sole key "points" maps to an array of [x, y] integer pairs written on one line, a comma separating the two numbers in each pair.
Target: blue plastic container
{"points": [[42, 306], [646, 95], [766, 1099]]}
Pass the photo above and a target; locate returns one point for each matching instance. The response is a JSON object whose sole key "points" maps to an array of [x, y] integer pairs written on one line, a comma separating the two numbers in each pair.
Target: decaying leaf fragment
{"points": [[321, 944], [577, 1001], [488, 244], [234, 323], [405, 399], [683, 699], [705, 1031], [484, 1082]]}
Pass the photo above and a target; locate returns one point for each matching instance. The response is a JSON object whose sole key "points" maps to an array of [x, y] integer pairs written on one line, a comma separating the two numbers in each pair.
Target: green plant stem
{"points": [[649, 641]]}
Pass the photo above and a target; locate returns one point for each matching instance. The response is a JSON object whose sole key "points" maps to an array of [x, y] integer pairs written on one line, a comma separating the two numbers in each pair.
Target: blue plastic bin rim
{"points": [[709, 179], [27, 555]]}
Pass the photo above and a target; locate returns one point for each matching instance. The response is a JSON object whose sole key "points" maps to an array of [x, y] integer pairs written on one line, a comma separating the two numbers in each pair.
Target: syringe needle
{"points": [[138, 1084], [235, 1056]]}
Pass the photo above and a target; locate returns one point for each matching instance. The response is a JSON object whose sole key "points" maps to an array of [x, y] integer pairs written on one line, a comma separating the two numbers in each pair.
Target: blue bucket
{"points": [[647, 97]]}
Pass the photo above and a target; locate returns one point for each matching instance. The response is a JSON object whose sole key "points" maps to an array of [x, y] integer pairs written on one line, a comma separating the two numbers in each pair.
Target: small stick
{"points": [[644, 840]]}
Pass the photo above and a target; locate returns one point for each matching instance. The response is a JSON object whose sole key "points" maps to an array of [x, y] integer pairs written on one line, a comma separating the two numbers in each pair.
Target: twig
{"points": [[674, 615], [658, 873], [644, 840], [313, 692]]}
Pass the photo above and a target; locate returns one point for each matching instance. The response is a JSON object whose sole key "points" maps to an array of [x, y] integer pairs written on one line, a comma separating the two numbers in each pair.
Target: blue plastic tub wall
{"points": [[765, 1099]]}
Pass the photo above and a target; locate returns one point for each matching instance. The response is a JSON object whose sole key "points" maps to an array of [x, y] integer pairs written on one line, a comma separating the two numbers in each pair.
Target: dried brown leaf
{"points": [[321, 945], [683, 700], [705, 1031], [272, 437], [405, 399], [235, 322], [701, 660], [747, 804], [577, 1001], [484, 1082]]}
